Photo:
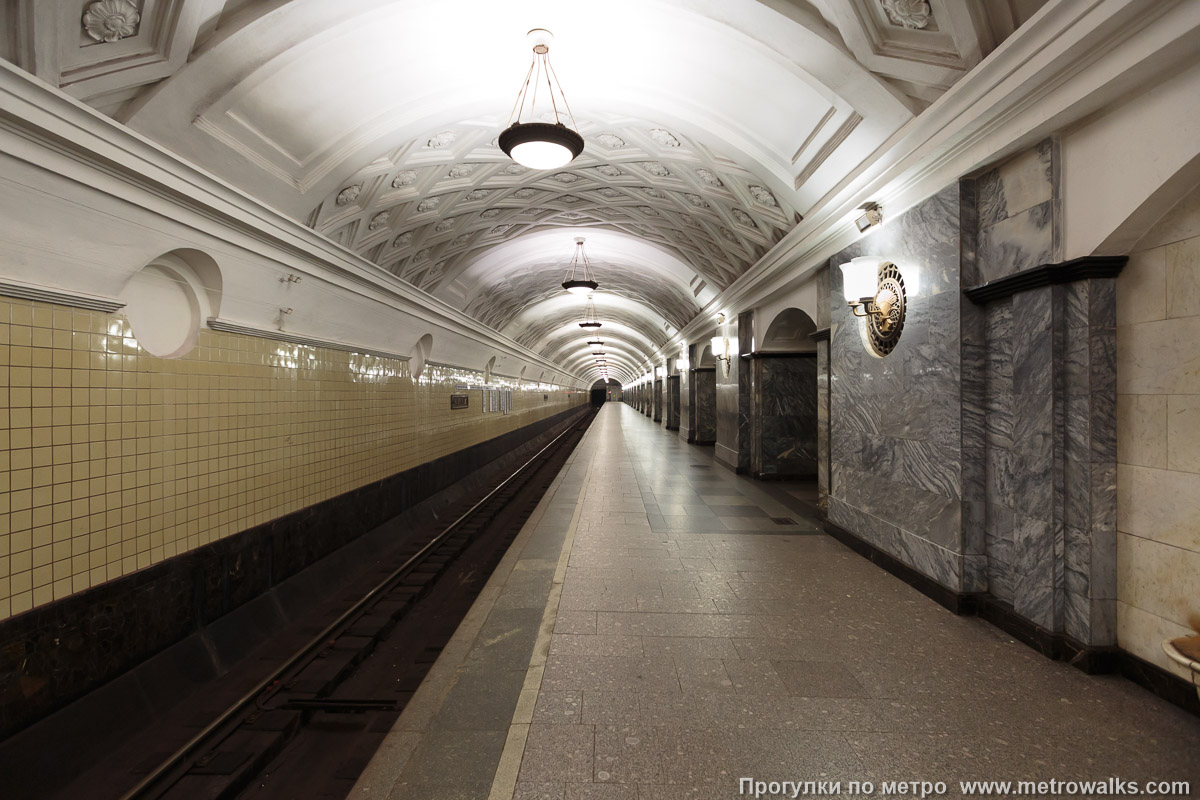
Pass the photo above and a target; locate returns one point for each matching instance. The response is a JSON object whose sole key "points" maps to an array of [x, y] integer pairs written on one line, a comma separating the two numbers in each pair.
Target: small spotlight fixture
{"points": [[872, 215], [579, 278], [541, 145]]}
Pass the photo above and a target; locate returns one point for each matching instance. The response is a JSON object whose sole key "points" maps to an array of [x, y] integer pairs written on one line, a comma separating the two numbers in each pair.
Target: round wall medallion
{"points": [[883, 329]]}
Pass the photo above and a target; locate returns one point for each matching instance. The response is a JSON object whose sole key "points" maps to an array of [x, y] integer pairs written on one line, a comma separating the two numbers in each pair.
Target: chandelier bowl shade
{"points": [[589, 324], [541, 145], [580, 287]]}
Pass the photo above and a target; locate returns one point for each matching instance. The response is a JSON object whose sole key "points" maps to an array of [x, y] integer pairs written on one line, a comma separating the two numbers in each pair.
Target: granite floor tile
{"points": [[706, 625], [539, 791], [628, 753], [818, 679], [681, 647], [558, 753], [610, 674], [597, 645]]}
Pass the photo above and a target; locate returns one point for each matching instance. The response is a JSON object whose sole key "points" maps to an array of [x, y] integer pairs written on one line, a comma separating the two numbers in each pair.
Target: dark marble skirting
{"points": [[56, 653], [1091, 659]]}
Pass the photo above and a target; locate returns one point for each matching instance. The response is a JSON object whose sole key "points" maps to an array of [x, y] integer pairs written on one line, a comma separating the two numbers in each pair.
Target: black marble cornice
{"points": [[1077, 269], [760, 355], [821, 335]]}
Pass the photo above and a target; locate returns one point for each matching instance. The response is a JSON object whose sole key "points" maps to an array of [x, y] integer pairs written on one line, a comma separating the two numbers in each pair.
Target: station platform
{"points": [[664, 629]]}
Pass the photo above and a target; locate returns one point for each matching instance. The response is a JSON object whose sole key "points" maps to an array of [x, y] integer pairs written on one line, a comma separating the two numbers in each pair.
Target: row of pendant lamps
{"points": [[545, 145]]}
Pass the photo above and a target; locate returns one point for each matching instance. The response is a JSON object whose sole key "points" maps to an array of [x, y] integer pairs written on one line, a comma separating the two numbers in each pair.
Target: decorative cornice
{"points": [[291, 338], [59, 298], [51, 119], [821, 335], [1077, 269]]}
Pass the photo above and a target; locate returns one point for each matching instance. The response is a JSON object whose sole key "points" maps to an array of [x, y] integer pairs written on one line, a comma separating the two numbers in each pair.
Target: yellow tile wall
{"points": [[112, 460]]}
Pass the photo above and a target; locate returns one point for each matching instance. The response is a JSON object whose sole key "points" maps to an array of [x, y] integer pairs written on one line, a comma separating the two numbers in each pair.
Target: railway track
{"points": [[309, 727]]}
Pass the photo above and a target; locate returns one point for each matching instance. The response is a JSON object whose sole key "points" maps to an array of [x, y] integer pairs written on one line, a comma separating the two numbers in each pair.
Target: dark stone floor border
{"points": [[1056, 646], [1090, 659], [57, 653]]}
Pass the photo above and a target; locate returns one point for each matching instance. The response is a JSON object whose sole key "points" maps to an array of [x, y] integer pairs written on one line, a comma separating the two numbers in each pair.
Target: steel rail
{"points": [[320, 640]]}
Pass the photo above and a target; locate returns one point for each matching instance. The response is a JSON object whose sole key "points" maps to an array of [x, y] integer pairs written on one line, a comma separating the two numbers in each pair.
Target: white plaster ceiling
{"points": [[711, 125]]}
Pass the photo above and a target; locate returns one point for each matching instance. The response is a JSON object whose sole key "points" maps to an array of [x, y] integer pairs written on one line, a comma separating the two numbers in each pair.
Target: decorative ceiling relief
{"points": [[914, 14], [404, 178], [763, 195], [692, 215], [443, 139], [111, 20], [349, 194], [663, 138]]}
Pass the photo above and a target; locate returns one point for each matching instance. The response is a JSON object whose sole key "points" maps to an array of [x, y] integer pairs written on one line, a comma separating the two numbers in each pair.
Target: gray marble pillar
{"points": [[823, 452], [746, 389], [672, 403], [687, 399], [726, 451]]}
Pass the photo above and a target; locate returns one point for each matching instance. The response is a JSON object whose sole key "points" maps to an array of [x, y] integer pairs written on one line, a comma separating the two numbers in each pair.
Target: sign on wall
{"points": [[459, 401]]}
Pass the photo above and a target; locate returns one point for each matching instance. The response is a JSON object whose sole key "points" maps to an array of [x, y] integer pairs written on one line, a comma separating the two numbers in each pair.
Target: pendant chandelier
{"points": [[578, 279], [541, 145], [589, 316]]}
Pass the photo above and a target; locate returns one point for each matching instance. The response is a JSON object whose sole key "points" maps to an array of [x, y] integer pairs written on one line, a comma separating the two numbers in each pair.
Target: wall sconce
{"points": [[872, 215], [875, 291], [720, 351]]}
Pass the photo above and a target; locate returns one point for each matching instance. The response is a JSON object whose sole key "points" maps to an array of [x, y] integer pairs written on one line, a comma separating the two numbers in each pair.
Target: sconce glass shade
{"points": [[860, 278], [718, 347]]}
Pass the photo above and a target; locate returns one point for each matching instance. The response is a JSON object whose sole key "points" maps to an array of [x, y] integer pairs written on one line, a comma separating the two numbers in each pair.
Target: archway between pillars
{"points": [[698, 387], [783, 399]]}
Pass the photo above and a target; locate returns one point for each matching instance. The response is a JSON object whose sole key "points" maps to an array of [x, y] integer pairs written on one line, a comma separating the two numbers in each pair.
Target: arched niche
{"points": [[170, 299], [420, 355], [706, 357], [789, 333], [487, 369]]}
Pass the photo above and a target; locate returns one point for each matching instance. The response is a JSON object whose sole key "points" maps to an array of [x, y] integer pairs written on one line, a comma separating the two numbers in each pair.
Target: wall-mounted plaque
{"points": [[459, 401]]}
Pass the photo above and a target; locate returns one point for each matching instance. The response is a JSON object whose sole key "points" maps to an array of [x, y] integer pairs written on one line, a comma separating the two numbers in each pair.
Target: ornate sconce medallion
{"points": [[886, 321]]}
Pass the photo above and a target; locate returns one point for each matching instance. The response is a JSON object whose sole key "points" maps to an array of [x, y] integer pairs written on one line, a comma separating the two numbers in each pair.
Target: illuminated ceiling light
{"points": [[589, 316], [579, 278], [596, 341], [541, 145]]}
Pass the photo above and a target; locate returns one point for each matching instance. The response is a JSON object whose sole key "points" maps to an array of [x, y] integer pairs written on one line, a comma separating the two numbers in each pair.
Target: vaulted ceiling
{"points": [[711, 126]]}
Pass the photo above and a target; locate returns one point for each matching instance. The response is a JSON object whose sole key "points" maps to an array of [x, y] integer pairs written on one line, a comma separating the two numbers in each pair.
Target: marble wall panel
{"points": [[746, 391], [1017, 214], [658, 400], [895, 423], [823, 421]]}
